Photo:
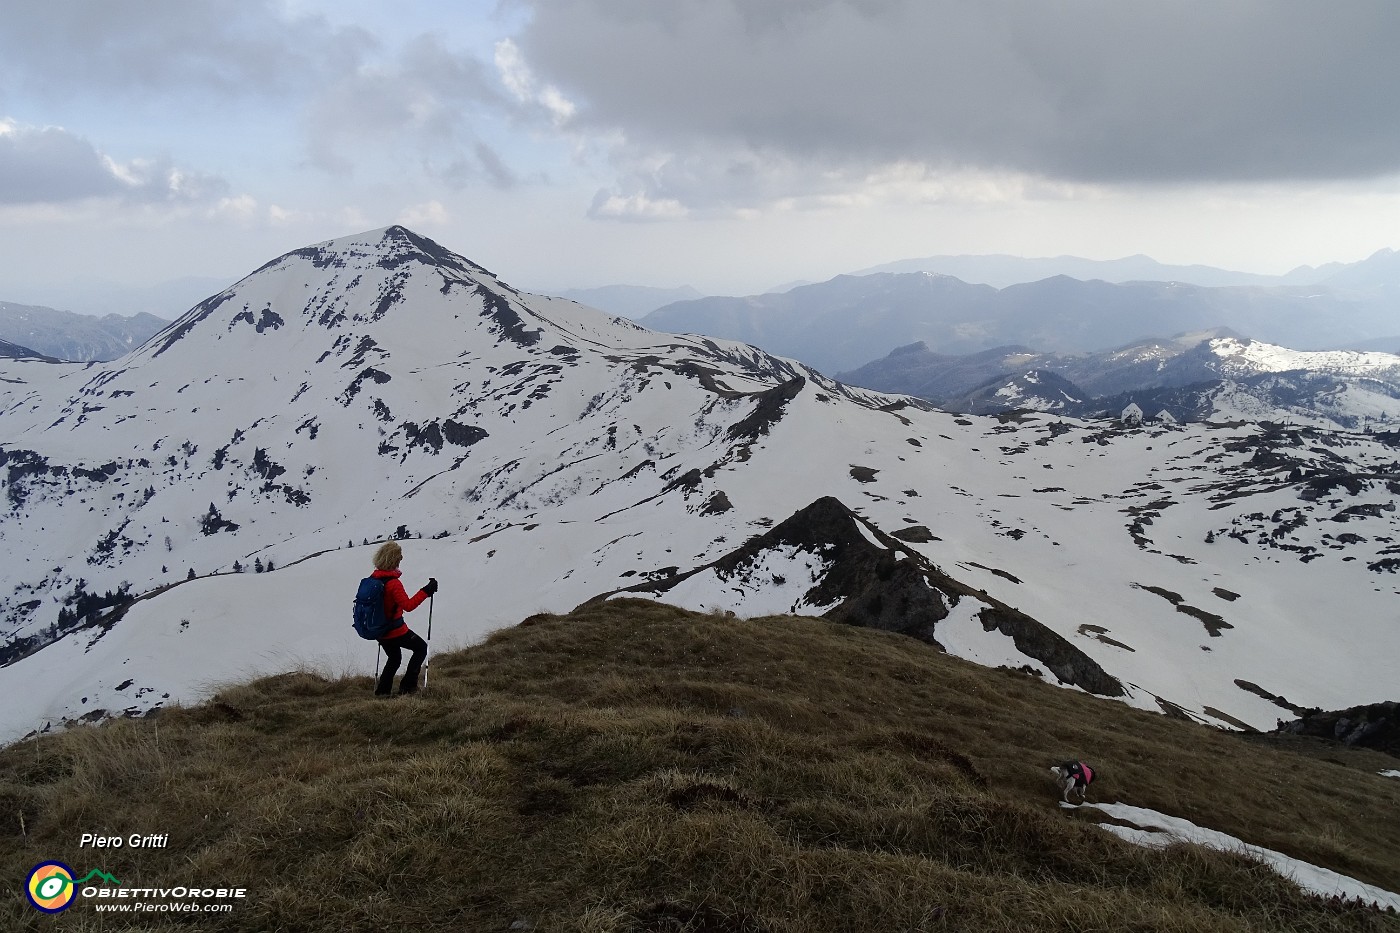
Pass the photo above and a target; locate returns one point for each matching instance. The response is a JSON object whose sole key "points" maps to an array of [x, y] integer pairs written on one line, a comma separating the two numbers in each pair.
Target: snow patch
{"points": [[776, 583], [962, 634], [1159, 830]]}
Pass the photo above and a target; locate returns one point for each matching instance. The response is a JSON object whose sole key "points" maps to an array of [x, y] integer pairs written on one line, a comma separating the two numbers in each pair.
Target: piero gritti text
{"points": [[133, 841]]}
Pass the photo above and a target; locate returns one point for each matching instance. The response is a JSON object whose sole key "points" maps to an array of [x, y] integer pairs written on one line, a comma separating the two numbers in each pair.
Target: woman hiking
{"points": [[399, 636]]}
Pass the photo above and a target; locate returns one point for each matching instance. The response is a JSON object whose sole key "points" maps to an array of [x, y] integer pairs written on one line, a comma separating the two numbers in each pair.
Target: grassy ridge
{"points": [[635, 767]]}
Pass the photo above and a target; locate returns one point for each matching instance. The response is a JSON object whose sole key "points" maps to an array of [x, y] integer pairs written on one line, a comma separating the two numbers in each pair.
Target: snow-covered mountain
{"points": [[1212, 374], [539, 454]]}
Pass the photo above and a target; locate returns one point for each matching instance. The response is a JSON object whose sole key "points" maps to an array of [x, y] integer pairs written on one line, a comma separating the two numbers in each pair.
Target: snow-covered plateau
{"points": [[535, 454]]}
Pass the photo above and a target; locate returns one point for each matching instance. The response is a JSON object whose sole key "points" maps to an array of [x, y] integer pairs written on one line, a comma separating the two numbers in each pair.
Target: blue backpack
{"points": [[370, 619]]}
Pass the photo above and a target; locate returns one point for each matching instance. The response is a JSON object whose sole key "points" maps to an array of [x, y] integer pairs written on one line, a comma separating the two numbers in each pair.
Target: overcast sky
{"points": [[727, 144]]}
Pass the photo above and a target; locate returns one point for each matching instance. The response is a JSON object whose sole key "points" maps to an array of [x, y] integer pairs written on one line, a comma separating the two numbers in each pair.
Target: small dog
{"points": [[1073, 777]]}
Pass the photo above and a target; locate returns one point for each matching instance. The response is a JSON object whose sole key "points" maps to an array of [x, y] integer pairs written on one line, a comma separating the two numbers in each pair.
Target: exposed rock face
{"points": [[1065, 661], [888, 588], [768, 411], [1374, 726]]}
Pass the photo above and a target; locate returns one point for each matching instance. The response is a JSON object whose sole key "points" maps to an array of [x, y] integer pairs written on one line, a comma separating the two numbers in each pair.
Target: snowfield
{"points": [[1255, 356]]}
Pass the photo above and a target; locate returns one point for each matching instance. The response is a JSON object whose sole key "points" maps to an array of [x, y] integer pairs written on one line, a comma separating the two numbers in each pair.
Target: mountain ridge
{"points": [[1190, 376], [1002, 270]]}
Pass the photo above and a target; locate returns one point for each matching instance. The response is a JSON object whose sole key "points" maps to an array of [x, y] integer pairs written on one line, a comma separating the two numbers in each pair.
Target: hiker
{"points": [[399, 636]]}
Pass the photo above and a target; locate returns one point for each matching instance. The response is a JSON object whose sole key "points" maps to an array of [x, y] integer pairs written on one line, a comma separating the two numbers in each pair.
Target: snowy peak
{"points": [[347, 282], [1242, 356], [387, 247]]}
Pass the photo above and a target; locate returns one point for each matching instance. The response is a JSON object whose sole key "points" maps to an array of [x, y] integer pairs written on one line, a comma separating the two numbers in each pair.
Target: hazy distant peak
{"points": [[1001, 270], [47, 333]]}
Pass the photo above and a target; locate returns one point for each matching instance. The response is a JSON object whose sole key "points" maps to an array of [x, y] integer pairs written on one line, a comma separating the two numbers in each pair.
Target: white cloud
{"points": [[515, 74], [280, 216], [560, 107], [243, 208], [638, 206], [352, 218], [428, 214], [519, 79]]}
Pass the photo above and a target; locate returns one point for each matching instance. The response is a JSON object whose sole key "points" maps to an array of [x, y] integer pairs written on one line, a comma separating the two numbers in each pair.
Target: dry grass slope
{"points": [[635, 767]]}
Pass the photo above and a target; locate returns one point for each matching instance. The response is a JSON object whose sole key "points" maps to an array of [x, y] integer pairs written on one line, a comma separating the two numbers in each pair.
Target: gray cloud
{"points": [[1098, 91], [47, 165], [422, 100], [52, 165], [494, 167], [173, 47], [357, 98]]}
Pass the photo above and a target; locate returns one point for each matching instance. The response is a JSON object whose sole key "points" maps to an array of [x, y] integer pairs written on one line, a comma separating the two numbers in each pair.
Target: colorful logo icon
{"points": [[50, 887]]}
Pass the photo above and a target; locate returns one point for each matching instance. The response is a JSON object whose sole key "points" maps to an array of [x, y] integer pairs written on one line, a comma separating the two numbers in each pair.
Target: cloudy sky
{"points": [[727, 144]]}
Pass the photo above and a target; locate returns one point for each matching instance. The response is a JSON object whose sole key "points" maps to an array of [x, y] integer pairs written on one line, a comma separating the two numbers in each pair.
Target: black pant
{"points": [[393, 654]]}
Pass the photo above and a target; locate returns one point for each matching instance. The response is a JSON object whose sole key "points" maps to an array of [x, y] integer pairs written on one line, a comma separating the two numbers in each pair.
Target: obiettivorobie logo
{"points": [[51, 886]]}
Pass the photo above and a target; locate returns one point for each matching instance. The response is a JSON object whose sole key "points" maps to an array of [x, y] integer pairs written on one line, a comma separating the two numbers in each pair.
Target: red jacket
{"points": [[397, 601]]}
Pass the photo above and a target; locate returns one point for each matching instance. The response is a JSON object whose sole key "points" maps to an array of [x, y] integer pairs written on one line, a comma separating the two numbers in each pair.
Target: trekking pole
{"points": [[430, 642]]}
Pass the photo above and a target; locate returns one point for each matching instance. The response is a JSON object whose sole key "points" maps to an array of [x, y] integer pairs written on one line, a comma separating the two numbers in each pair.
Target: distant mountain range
{"points": [[850, 320], [977, 348], [165, 299], [1191, 377], [80, 338], [1000, 271]]}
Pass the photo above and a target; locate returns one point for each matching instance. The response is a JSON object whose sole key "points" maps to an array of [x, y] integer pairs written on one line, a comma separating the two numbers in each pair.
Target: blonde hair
{"points": [[388, 556]]}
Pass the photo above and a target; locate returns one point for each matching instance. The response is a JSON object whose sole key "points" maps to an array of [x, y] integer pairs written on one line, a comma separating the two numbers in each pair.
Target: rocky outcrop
{"points": [[1375, 726], [1065, 661], [871, 579]]}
